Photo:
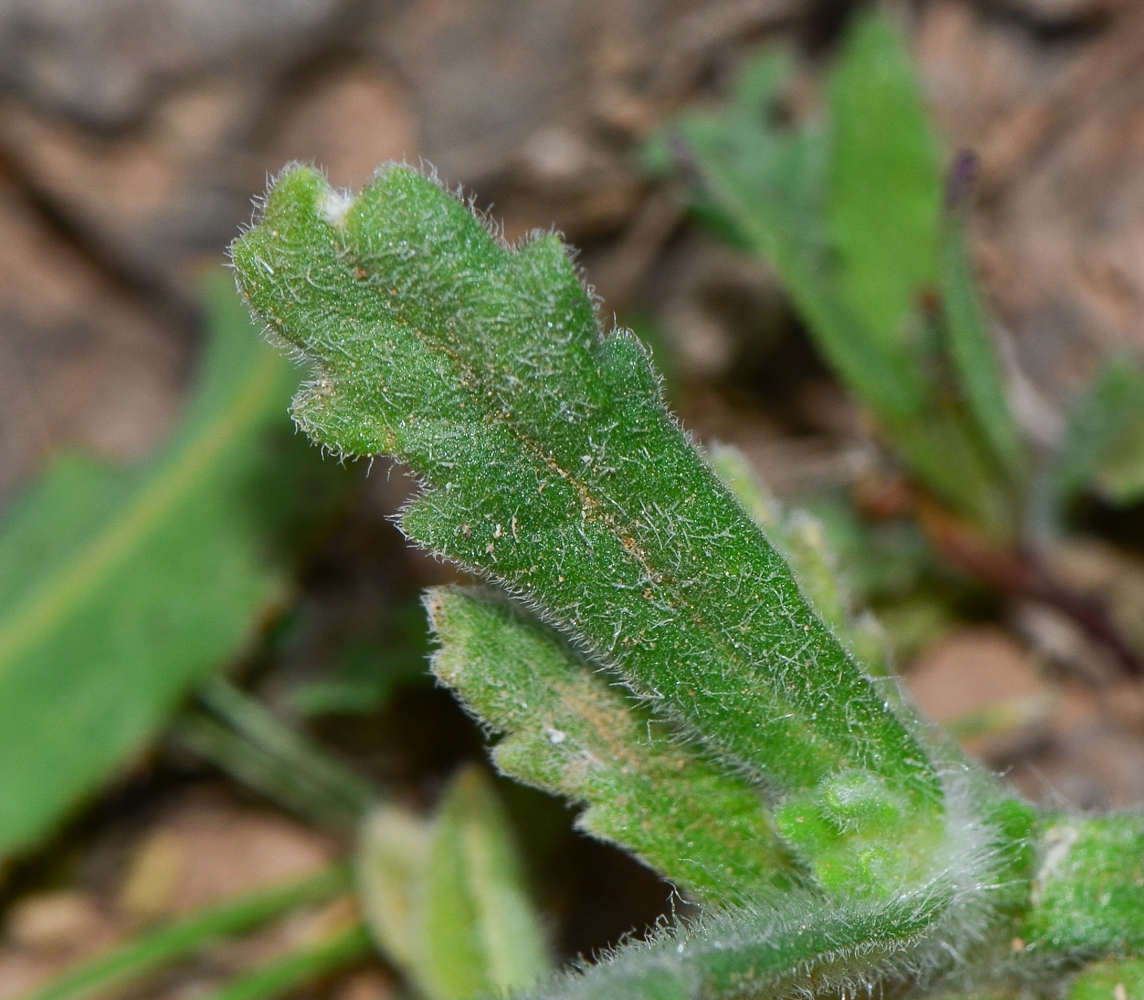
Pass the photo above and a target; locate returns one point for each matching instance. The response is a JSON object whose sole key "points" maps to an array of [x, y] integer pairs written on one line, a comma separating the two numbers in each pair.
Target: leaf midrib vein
{"points": [[594, 508]]}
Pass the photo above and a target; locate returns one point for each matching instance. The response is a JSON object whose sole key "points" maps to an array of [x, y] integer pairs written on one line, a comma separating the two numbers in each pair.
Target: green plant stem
{"points": [[259, 750], [149, 952], [299, 967]]}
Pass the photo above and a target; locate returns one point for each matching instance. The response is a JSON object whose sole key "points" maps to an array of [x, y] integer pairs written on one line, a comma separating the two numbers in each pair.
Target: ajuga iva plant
{"points": [[645, 650], [864, 219]]}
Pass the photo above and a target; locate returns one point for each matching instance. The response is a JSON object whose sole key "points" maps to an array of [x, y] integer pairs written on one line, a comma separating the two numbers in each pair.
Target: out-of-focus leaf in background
{"points": [[848, 209], [883, 187], [119, 589], [973, 358], [446, 898], [112, 970], [481, 932], [365, 672], [391, 862], [1103, 450], [1117, 978]]}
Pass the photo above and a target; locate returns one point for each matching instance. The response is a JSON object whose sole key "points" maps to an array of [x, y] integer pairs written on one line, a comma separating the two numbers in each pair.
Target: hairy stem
{"points": [[761, 955]]}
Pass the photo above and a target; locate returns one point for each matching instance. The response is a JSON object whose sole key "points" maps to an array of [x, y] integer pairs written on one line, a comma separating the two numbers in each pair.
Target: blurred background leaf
{"points": [[848, 208], [447, 899], [970, 347], [121, 589], [883, 186], [1103, 450], [481, 933], [124, 167]]}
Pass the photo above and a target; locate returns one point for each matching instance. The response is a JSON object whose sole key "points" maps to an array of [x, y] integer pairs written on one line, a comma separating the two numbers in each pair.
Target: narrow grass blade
{"points": [[335, 805], [157, 949], [341, 793], [299, 968]]}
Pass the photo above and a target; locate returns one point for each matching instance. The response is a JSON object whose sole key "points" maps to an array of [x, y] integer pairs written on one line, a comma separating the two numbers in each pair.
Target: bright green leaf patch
{"points": [[1110, 980], [120, 590], [801, 538], [1088, 894], [883, 187]]}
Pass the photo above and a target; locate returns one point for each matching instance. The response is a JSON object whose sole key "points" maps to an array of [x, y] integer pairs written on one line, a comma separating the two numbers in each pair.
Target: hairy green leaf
{"points": [[801, 539], [569, 731], [805, 950], [120, 590], [1110, 980], [845, 946], [1088, 892], [550, 463]]}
